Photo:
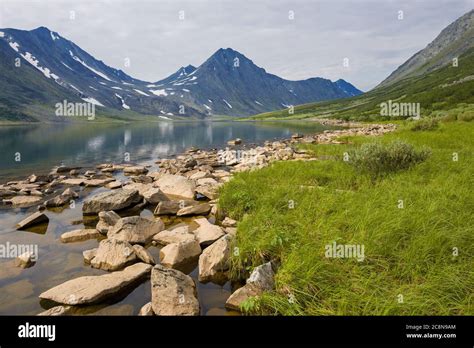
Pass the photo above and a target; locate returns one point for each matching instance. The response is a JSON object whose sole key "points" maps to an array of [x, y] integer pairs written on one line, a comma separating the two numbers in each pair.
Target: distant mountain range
{"points": [[52, 69], [440, 78]]}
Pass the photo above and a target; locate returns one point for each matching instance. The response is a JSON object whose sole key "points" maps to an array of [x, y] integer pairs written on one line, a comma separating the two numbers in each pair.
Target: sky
{"points": [[361, 41]]}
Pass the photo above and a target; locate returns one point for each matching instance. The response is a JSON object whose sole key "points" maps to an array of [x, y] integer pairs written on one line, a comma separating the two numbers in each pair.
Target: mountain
{"points": [[428, 78], [53, 69], [228, 83], [455, 39]]}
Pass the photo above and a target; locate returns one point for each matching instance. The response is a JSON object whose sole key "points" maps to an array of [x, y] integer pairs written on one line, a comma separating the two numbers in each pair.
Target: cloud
{"points": [[322, 33]]}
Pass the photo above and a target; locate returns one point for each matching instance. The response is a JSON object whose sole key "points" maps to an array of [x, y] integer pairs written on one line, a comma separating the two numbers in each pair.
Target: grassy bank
{"points": [[410, 222]]}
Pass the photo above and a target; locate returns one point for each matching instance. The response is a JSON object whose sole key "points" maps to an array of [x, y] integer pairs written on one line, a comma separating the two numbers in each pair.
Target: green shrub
{"points": [[466, 116], [378, 159], [425, 124]]}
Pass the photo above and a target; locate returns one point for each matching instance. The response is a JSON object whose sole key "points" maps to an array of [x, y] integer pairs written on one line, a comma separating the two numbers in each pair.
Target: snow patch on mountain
{"points": [[67, 66], [33, 61], [125, 106], [159, 92], [225, 101], [77, 59], [14, 45], [92, 101], [140, 92], [77, 89]]}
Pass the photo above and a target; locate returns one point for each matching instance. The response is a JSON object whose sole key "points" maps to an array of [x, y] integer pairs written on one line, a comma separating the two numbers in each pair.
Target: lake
{"points": [[37, 148], [43, 146]]}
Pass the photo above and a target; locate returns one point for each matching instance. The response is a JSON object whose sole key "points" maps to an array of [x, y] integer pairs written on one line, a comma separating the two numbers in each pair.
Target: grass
{"points": [[410, 223]]}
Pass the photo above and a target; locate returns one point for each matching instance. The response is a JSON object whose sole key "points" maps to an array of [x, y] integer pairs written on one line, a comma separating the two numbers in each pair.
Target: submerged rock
{"points": [[25, 260], [33, 219], [79, 235], [22, 201], [94, 289], [173, 292], [57, 311]]}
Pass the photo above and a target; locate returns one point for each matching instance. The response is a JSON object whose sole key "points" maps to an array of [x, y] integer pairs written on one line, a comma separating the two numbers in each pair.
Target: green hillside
{"points": [[444, 89]]}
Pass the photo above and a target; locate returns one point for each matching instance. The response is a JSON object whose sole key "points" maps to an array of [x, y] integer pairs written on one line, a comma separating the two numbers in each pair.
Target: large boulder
{"points": [[135, 229], [173, 292], [111, 200], [113, 254], [176, 185], [175, 234], [214, 261], [93, 289], [207, 233], [176, 255], [79, 235]]}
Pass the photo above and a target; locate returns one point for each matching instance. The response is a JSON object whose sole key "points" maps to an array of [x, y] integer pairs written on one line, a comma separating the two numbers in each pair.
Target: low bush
{"points": [[425, 124], [378, 159]]}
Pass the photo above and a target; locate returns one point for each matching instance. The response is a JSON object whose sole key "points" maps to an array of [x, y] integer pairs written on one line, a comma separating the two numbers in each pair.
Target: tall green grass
{"points": [[410, 223]]}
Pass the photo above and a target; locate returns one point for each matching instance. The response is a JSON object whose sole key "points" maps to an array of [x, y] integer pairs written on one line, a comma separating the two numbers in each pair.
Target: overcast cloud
{"points": [[315, 43]]}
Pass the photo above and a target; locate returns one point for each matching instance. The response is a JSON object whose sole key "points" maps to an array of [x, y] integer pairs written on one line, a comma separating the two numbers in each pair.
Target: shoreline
{"points": [[185, 186]]}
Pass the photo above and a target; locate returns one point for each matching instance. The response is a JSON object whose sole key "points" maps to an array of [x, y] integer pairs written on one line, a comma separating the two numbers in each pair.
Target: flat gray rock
{"points": [[94, 289]]}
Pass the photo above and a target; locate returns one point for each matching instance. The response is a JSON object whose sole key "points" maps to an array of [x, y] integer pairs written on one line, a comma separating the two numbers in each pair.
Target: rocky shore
{"points": [[183, 187]]}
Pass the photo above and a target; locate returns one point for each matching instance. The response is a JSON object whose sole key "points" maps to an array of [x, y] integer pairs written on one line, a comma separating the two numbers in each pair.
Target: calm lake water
{"points": [[37, 148], [44, 146]]}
